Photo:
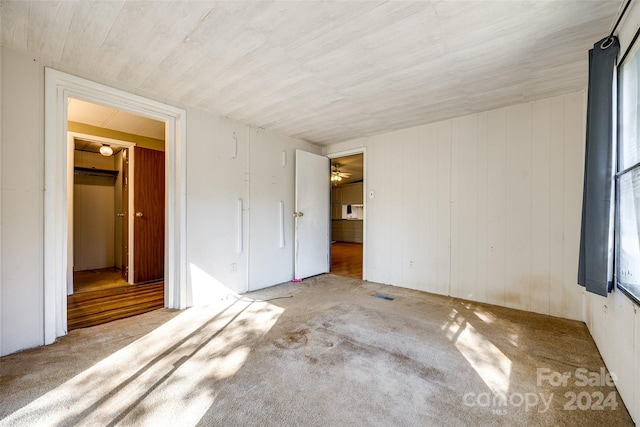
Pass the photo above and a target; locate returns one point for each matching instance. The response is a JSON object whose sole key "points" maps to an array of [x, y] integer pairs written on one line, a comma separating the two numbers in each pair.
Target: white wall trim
{"points": [[1, 187], [70, 212], [363, 151], [59, 87], [347, 152]]}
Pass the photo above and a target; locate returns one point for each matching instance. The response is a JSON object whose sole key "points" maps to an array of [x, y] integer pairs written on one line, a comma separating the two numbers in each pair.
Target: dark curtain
{"points": [[595, 266]]}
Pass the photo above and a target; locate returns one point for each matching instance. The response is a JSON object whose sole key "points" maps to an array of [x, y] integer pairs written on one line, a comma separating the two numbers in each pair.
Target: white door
{"points": [[312, 214]]}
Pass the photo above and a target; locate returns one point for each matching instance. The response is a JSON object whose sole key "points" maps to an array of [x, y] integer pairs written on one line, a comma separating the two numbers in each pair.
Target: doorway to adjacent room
{"points": [[347, 215]]}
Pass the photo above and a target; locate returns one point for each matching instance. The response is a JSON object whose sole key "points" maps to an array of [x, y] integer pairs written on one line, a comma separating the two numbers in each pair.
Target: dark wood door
{"points": [[148, 218]]}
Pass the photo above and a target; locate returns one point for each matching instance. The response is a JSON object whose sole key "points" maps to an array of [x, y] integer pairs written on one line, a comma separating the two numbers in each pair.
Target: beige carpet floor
{"points": [[324, 352]]}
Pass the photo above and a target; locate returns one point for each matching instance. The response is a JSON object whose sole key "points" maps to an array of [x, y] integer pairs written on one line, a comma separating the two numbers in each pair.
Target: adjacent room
{"points": [[319, 213], [347, 215]]}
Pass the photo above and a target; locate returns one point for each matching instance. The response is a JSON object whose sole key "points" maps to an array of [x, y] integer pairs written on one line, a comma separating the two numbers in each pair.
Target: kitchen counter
{"points": [[347, 230]]}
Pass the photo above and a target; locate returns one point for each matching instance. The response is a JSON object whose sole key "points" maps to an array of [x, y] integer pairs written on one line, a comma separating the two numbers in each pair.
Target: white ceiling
{"points": [[322, 71]]}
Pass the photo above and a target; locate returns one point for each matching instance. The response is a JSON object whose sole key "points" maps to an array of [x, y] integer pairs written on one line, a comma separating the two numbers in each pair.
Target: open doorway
{"points": [[116, 197], [59, 88], [100, 206], [347, 215]]}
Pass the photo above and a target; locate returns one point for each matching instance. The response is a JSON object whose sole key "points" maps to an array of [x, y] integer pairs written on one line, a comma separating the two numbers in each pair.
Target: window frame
{"points": [[632, 50]]}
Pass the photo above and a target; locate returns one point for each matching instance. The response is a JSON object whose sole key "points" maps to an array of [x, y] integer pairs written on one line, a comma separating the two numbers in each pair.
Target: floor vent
{"points": [[383, 297]]}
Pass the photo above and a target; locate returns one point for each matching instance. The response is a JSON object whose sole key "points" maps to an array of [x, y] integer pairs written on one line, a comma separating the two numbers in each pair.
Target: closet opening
{"points": [[116, 214]]}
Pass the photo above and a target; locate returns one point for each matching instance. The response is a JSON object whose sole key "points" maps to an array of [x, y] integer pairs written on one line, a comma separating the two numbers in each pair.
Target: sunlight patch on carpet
{"points": [[170, 375], [484, 357]]}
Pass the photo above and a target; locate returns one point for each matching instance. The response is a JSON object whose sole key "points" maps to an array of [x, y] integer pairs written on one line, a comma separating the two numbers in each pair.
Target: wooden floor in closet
{"points": [[96, 307]]}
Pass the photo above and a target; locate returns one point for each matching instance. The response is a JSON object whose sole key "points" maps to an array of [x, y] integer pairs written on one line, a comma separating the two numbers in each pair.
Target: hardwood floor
{"points": [[346, 259], [93, 280], [103, 295], [101, 306]]}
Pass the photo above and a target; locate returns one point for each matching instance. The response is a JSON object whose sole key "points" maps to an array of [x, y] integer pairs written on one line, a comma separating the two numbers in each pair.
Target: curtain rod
{"points": [[609, 39]]}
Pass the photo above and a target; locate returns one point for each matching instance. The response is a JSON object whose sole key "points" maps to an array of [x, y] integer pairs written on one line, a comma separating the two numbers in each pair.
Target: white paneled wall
{"points": [[215, 182], [496, 210], [1, 197], [22, 203], [272, 182], [614, 323], [484, 207]]}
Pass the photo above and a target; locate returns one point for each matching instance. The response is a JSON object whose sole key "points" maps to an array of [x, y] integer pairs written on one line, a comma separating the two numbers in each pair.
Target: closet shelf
{"points": [[104, 173]]}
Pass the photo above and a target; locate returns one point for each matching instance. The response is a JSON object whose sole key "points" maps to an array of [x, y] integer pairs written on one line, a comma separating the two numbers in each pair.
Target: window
{"points": [[628, 178]]}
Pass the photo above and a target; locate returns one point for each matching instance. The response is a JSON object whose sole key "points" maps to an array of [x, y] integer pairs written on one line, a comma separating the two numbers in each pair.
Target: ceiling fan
{"points": [[336, 175]]}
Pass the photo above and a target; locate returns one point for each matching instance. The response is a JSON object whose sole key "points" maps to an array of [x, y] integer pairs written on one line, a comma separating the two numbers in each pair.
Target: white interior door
{"points": [[312, 214]]}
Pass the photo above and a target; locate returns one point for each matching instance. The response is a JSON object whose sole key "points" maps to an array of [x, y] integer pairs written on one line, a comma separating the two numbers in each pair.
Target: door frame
{"points": [[363, 151], [59, 87], [72, 136]]}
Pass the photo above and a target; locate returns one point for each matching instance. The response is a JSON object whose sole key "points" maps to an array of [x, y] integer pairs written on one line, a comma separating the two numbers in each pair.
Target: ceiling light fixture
{"points": [[336, 175], [105, 150]]}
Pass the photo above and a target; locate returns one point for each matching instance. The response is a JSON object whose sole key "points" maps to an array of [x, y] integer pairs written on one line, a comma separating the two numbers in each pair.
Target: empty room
{"points": [[319, 213]]}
